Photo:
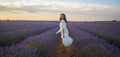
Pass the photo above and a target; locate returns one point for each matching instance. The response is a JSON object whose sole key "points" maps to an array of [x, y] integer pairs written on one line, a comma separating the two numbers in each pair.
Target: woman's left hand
{"points": [[62, 36]]}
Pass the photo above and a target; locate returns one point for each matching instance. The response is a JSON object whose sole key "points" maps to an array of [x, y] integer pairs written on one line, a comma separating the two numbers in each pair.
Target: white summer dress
{"points": [[67, 40]]}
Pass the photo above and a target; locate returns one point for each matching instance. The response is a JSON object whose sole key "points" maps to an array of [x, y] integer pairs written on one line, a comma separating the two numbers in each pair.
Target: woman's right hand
{"points": [[57, 32]]}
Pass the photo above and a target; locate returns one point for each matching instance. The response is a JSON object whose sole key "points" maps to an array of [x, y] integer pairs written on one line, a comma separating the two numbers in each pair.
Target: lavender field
{"points": [[38, 39]]}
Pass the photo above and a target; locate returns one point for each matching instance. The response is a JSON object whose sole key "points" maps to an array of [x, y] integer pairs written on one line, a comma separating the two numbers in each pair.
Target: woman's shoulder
{"points": [[62, 21]]}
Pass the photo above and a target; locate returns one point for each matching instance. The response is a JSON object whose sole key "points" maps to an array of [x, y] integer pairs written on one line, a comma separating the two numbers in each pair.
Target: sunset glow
{"points": [[75, 10]]}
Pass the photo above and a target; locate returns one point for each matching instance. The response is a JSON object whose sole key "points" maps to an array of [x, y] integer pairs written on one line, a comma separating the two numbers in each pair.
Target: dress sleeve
{"points": [[62, 24]]}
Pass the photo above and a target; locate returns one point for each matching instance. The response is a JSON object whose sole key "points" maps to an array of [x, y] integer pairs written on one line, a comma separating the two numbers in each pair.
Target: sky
{"points": [[75, 10]]}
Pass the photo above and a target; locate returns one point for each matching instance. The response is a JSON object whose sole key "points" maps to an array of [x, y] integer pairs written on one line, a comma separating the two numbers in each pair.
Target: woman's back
{"points": [[64, 26]]}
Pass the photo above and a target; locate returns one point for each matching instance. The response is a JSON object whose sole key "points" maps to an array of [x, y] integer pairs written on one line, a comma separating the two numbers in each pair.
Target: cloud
{"points": [[47, 6], [55, 6]]}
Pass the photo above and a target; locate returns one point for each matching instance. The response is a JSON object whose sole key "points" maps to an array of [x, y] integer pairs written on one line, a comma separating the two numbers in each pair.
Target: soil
{"points": [[69, 51]]}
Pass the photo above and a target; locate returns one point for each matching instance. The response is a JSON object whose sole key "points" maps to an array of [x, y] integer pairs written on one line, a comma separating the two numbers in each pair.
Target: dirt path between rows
{"points": [[69, 51]]}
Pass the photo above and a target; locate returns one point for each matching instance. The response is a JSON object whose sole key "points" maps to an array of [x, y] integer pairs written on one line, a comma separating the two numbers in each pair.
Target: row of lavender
{"points": [[19, 25], [42, 45], [90, 45], [107, 31], [35, 46], [22, 31]]}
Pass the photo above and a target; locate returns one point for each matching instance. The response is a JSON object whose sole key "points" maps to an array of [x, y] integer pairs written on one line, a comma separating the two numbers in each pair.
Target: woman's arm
{"points": [[62, 33], [58, 31], [62, 26]]}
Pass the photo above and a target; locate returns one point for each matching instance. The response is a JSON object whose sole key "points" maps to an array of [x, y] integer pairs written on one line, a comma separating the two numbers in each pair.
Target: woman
{"points": [[66, 39]]}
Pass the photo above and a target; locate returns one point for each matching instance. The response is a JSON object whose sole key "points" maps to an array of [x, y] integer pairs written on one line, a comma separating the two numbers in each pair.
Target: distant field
{"points": [[38, 39]]}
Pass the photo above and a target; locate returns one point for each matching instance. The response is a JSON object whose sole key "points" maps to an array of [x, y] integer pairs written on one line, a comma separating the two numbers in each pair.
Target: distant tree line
{"points": [[8, 20]]}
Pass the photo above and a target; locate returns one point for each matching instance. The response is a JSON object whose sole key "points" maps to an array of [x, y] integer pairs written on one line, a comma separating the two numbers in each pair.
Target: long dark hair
{"points": [[64, 17]]}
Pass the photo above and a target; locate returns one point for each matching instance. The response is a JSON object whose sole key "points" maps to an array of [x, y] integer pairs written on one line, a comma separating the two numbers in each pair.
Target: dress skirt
{"points": [[67, 41]]}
